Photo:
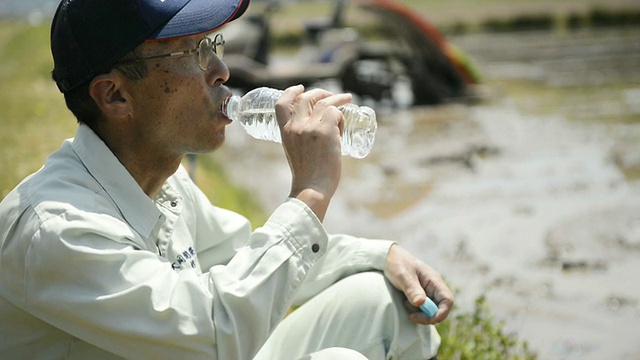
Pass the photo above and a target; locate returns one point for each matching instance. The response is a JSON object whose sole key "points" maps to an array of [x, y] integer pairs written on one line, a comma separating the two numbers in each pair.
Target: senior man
{"points": [[111, 251]]}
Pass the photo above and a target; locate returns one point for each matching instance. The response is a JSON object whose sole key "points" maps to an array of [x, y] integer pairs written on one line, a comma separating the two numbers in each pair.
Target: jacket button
{"points": [[315, 248]]}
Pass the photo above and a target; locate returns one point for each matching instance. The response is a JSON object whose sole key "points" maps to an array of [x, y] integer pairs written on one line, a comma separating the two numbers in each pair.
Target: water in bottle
{"points": [[256, 112]]}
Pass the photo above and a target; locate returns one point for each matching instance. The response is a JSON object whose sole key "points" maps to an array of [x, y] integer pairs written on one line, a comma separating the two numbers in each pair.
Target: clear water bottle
{"points": [[256, 112]]}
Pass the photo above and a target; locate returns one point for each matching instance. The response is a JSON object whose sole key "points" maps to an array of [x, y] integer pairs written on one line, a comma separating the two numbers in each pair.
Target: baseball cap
{"points": [[90, 36]]}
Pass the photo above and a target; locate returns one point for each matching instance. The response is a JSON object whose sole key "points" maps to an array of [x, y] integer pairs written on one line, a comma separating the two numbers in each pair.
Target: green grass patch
{"points": [[606, 17], [520, 23], [478, 335], [33, 116]]}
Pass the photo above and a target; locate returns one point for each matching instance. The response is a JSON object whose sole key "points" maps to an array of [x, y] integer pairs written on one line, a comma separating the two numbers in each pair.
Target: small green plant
{"points": [[478, 335], [520, 23], [599, 17]]}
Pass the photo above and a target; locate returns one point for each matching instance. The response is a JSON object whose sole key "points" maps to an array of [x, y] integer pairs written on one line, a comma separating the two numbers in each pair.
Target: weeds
{"points": [[478, 335]]}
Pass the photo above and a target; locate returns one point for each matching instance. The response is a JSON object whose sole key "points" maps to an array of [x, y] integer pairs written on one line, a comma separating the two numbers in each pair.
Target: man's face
{"points": [[177, 106]]}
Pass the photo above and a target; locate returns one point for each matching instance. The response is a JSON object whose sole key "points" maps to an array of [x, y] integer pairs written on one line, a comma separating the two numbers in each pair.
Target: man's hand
{"points": [[311, 128], [418, 280]]}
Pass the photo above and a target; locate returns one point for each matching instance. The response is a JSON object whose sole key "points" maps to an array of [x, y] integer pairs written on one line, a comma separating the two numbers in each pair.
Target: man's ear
{"points": [[110, 94]]}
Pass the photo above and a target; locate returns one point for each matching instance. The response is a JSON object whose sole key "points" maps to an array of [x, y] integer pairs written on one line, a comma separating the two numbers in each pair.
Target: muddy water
{"points": [[522, 197]]}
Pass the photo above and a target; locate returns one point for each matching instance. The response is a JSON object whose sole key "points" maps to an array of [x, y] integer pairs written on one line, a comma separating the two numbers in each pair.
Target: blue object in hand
{"points": [[429, 307]]}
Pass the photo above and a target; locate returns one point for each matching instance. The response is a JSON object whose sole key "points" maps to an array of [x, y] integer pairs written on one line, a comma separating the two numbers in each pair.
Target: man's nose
{"points": [[218, 73]]}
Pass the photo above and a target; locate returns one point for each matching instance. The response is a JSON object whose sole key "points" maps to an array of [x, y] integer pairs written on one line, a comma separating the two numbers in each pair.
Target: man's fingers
{"points": [[335, 100], [284, 105], [292, 91], [416, 279], [295, 100], [415, 294]]}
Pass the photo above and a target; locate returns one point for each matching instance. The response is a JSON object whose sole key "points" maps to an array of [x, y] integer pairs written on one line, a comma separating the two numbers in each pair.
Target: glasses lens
{"points": [[218, 45], [205, 54], [207, 49]]}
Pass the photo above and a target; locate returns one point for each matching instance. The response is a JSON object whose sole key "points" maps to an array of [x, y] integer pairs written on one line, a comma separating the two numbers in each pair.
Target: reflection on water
{"points": [[528, 197]]}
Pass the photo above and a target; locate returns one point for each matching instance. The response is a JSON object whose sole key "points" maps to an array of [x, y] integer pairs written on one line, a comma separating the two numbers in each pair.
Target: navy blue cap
{"points": [[90, 36]]}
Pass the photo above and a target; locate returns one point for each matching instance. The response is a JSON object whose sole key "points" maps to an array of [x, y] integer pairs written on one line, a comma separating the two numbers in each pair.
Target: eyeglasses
{"points": [[206, 50]]}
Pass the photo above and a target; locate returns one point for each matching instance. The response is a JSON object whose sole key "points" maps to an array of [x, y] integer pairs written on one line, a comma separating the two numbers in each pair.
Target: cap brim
{"points": [[201, 16]]}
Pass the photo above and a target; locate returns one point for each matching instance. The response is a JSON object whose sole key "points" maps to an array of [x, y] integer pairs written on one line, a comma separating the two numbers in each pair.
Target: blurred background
{"points": [[507, 153]]}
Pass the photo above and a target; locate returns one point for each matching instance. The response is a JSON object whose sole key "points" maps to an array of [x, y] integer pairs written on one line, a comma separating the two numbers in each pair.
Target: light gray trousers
{"points": [[360, 317]]}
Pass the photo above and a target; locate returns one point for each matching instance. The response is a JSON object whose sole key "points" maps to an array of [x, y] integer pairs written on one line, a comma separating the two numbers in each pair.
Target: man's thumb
{"points": [[416, 295]]}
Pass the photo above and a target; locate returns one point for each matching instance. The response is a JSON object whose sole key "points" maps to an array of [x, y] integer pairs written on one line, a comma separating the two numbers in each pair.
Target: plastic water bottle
{"points": [[256, 112]]}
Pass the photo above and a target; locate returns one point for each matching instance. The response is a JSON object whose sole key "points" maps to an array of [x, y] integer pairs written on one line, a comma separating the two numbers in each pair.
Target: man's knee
{"points": [[367, 290]]}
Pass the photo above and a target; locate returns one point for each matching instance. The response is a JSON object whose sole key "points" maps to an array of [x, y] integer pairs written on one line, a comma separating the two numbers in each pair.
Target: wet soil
{"points": [[530, 197]]}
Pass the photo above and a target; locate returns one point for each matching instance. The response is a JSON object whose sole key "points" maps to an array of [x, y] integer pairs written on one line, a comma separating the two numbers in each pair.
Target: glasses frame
{"points": [[210, 47]]}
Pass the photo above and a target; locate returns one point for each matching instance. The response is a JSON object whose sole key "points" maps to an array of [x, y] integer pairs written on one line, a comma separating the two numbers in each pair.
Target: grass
{"points": [[478, 335], [34, 120]]}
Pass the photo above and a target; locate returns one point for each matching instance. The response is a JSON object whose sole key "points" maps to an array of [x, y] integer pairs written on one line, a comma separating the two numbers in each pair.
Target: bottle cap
{"points": [[429, 307]]}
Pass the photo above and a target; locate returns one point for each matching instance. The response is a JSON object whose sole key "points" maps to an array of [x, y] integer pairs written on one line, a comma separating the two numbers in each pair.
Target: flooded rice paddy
{"points": [[530, 196]]}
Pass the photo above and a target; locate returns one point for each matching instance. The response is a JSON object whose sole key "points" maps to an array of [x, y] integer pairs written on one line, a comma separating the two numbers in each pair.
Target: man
{"points": [[111, 251]]}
